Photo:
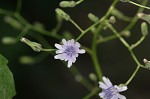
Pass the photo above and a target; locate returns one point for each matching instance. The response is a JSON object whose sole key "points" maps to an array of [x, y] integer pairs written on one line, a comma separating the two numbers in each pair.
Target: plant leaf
{"points": [[7, 87]]}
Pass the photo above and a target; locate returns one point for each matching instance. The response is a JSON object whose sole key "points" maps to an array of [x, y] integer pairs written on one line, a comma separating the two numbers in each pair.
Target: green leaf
{"points": [[7, 87]]}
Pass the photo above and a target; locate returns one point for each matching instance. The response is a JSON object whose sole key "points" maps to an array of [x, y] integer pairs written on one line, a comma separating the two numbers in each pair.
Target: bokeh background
{"points": [[49, 78]]}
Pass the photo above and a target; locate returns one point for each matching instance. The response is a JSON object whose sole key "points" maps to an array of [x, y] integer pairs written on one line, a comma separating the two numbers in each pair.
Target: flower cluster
{"points": [[69, 51]]}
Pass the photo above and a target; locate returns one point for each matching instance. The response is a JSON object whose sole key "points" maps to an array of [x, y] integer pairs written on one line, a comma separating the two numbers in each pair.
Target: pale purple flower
{"points": [[68, 51], [110, 91]]}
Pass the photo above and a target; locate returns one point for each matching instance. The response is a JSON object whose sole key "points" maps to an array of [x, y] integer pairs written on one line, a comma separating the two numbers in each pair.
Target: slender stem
{"points": [[134, 20], [131, 52], [83, 81], [94, 56], [78, 2], [105, 39], [92, 93], [87, 49], [48, 50], [138, 42], [100, 21], [138, 5], [6, 12], [132, 23], [133, 75], [19, 5], [23, 33], [76, 25]]}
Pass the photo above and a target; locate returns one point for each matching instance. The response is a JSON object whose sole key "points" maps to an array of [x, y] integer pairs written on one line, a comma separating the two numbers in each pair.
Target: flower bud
{"points": [[8, 40], [26, 60], [112, 19], [62, 14], [13, 22], [93, 77], [144, 16], [78, 78], [67, 4], [92, 17], [35, 46], [144, 28], [147, 63]]}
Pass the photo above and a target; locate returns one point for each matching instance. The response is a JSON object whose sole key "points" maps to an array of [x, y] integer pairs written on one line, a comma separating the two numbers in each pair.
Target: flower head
{"points": [[109, 91], [68, 51]]}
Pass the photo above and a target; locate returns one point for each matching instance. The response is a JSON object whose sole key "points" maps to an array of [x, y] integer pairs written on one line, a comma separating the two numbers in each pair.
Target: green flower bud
{"points": [[26, 60], [13, 22], [112, 19], [67, 4], [62, 14], [144, 28], [92, 17], [8, 40], [93, 77], [147, 63], [144, 16], [35, 46]]}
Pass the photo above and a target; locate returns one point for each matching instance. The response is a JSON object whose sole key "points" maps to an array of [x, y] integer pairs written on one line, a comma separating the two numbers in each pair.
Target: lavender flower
{"points": [[68, 51], [109, 91]]}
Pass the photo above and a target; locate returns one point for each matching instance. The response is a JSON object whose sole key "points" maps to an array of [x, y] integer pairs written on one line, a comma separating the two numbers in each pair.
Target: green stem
{"points": [[23, 33], [134, 20], [100, 21], [92, 93], [130, 50], [138, 42], [94, 56], [6, 12], [76, 25], [83, 81], [19, 5], [138, 5], [133, 75], [78, 2], [48, 50]]}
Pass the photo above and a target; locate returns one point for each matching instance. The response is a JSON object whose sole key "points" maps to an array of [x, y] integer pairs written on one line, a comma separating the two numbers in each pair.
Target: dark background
{"points": [[50, 79]]}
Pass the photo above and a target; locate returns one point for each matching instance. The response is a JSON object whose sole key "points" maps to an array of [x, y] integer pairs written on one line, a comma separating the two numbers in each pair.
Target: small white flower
{"points": [[68, 51], [109, 91]]}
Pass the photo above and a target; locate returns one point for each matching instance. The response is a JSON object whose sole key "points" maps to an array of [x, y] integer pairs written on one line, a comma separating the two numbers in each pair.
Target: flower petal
{"points": [[69, 63], [102, 85], [82, 51], [120, 89], [121, 96], [58, 46], [107, 82], [77, 44], [64, 41]]}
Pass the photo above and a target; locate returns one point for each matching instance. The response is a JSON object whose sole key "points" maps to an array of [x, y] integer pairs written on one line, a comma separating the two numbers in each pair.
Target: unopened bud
{"points": [[147, 63], [67, 4], [13, 22], [67, 35], [112, 19], [144, 16], [62, 14], [35, 46], [144, 28], [78, 78], [93, 77], [124, 0], [26, 60], [8, 40], [126, 33], [92, 17]]}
